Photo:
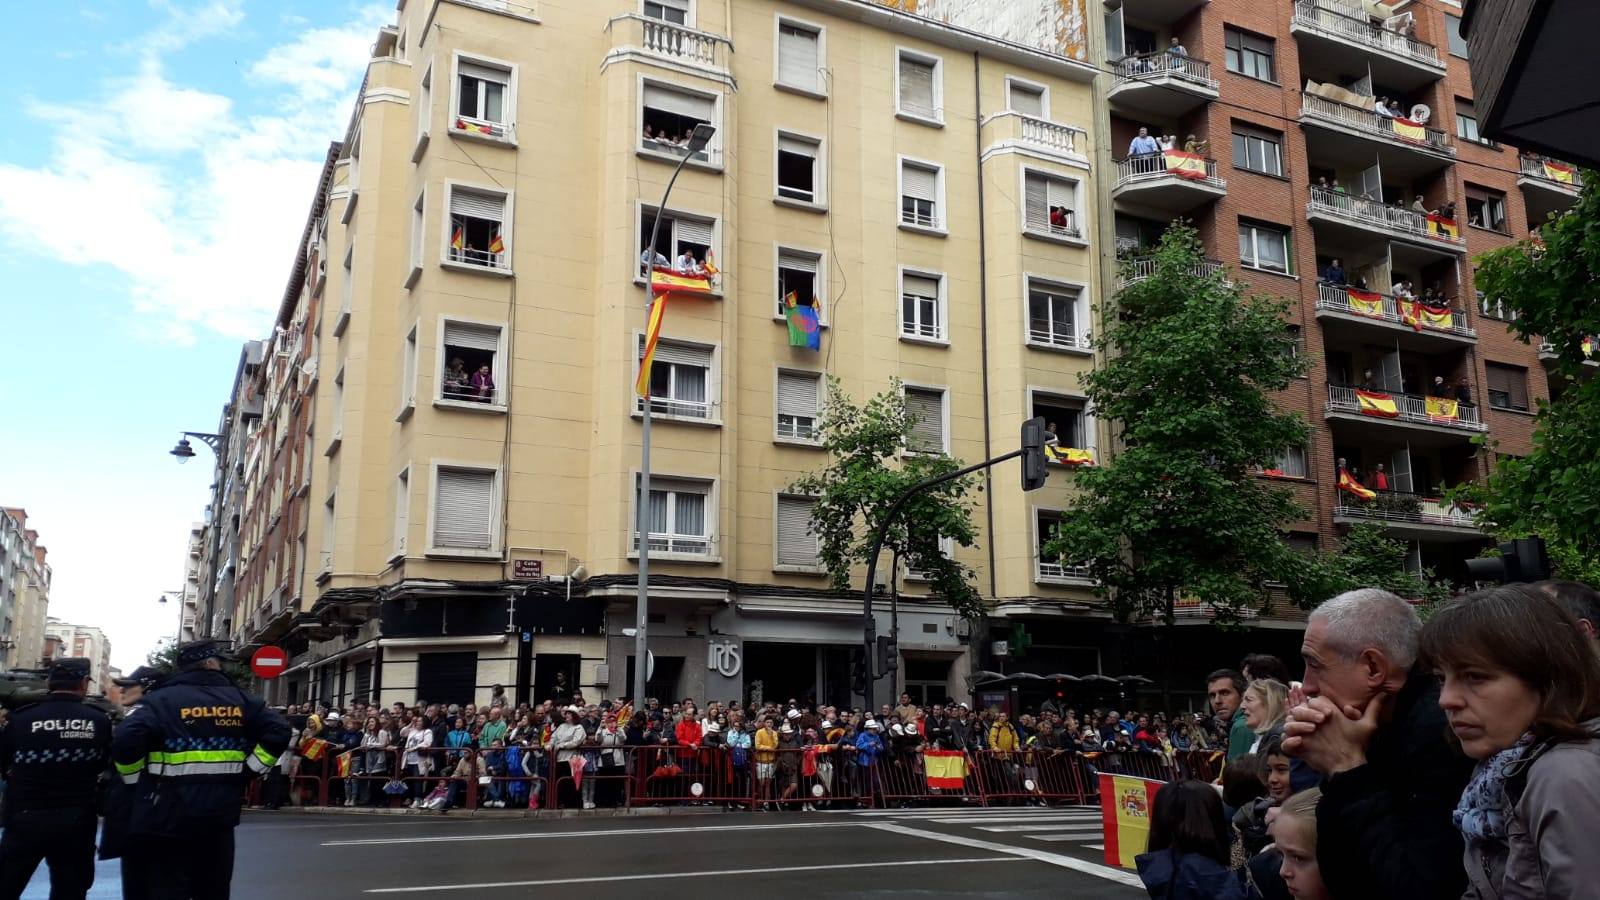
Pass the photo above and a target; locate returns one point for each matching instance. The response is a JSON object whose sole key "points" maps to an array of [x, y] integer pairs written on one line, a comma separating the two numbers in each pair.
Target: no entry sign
{"points": [[268, 662]]}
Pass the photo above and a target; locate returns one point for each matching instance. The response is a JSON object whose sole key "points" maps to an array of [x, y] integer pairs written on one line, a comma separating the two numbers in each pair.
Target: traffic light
{"points": [[1034, 472], [888, 656], [1520, 561], [858, 672]]}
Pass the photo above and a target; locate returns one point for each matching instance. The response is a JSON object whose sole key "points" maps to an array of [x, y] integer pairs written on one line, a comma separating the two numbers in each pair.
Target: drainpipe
{"points": [[983, 314]]}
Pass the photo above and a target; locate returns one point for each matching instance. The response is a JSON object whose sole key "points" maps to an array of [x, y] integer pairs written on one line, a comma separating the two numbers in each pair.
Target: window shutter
{"points": [[678, 103], [1059, 193], [472, 337], [797, 147], [928, 408], [682, 354], [477, 204], [916, 86], [1036, 205], [797, 545], [463, 509], [919, 286], [1027, 101], [693, 231], [485, 73], [798, 262], [919, 182], [797, 57], [797, 394]]}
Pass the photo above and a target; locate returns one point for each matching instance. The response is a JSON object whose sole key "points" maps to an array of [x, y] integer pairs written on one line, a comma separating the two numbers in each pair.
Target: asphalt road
{"points": [[992, 852]]}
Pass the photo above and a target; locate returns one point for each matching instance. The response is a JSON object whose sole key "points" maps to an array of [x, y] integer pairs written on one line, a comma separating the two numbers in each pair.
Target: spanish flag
{"points": [[946, 769], [1070, 456], [458, 239], [1409, 314], [1125, 805], [1587, 346], [1348, 483], [1439, 316], [1376, 403], [711, 263], [313, 748], [498, 245], [1559, 172], [344, 764], [1441, 408], [1365, 303], [1185, 165], [1439, 226], [1409, 130], [652, 332], [670, 281], [476, 127]]}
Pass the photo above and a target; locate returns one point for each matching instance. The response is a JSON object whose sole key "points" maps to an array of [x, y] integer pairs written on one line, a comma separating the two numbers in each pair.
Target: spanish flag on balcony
{"points": [[1125, 805], [1434, 316], [1377, 403], [1069, 456], [1366, 303], [1439, 226], [1559, 172], [652, 332], [476, 127], [1409, 130], [1441, 409], [946, 769], [1348, 483], [1587, 347], [498, 245], [1185, 165], [458, 239], [670, 281]]}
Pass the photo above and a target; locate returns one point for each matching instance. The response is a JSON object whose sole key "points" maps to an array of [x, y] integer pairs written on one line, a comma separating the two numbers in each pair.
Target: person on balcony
{"points": [[1176, 52], [1439, 388], [1168, 142], [1190, 145], [1143, 144], [456, 378], [483, 388], [1368, 383], [1334, 274], [1379, 479], [1403, 290], [1418, 206], [1383, 108], [1463, 392], [645, 260]]}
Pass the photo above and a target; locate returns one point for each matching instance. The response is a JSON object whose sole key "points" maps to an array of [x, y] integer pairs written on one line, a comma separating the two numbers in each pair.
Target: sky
{"points": [[157, 161]]}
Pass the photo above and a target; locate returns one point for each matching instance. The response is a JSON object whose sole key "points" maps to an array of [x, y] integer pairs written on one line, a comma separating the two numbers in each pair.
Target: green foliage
{"points": [[164, 659], [1368, 557], [868, 469], [1554, 492], [1179, 513]]}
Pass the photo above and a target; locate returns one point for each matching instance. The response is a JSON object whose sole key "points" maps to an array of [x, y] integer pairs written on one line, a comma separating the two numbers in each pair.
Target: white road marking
{"points": [[534, 835], [1054, 859], [935, 812], [1100, 847], [1075, 829], [999, 820], [600, 879], [1060, 837]]}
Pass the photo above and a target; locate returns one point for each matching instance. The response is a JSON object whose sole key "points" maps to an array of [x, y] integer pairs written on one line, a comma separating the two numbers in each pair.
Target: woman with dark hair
{"points": [[1188, 849], [1521, 688]]}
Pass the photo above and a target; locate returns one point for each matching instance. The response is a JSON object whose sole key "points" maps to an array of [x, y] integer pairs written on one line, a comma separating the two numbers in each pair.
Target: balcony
{"points": [[1548, 186], [703, 412], [1358, 130], [1548, 353], [1141, 268], [1063, 227], [1058, 573], [635, 35], [1414, 328], [1161, 84], [1432, 421], [1411, 516], [1339, 36], [1171, 182], [688, 547], [1013, 129], [1370, 218]]}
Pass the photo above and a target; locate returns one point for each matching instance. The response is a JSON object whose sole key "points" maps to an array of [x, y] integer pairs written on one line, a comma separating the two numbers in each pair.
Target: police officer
{"points": [[190, 748], [53, 753], [114, 843]]}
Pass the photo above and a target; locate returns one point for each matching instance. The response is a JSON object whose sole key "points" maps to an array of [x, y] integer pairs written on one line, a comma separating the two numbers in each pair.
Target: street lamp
{"points": [[184, 451], [698, 139]]}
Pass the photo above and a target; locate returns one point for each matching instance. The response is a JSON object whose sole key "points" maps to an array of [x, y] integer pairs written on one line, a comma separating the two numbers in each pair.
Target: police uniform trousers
{"points": [[61, 838], [196, 865]]}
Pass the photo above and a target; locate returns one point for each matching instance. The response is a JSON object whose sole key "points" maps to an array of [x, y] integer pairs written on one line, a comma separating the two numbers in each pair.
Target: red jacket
{"points": [[687, 732]]}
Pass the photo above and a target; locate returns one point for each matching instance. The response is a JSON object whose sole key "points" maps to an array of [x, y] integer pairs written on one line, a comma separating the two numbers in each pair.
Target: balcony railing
{"points": [[674, 42], [1427, 511], [1336, 298], [1040, 222], [673, 148], [922, 218], [1384, 215], [465, 393], [1049, 134], [1369, 122], [1140, 268], [1406, 408], [1334, 19], [1150, 66], [1558, 174], [483, 259], [674, 408], [1057, 335], [1156, 165], [686, 545], [1054, 570]]}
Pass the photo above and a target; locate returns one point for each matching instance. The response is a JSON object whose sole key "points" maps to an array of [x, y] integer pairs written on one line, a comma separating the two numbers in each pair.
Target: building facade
{"points": [[88, 641], [24, 591]]}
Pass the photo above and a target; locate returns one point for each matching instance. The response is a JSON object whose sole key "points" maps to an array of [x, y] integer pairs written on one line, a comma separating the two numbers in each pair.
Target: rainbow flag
{"points": [[1439, 226], [805, 328], [670, 281], [1409, 130], [1125, 805], [1559, 172], [1374, 403], [1365, 303], [946, 769], [1070, 456], [1349, 484], [652, 333], [1185, 165], [1441, 408]]}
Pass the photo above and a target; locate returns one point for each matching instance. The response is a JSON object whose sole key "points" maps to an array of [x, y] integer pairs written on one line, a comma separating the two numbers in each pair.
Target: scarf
{"points": [[1481, 814]]}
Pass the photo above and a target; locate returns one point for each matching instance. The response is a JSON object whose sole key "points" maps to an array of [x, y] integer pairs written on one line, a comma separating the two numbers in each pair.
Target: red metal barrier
{"points": [[1034, 777], [903, 778], [667, 776]]}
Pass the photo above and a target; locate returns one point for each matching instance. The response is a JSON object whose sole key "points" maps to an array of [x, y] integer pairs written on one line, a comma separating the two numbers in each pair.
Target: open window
{"points": [[669, 117], [800, 274], [1066, 419], [681, 237], [799, 173], [919, 195], [1048, 568], [680, 516], [484, 100], [922, 306], [1050, 205], [478, 234], [471, 363], [681, 381]]}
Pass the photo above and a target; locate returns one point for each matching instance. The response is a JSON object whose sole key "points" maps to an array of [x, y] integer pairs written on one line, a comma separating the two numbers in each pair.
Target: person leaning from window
{"points": [[483, 385], [1334, 274]]}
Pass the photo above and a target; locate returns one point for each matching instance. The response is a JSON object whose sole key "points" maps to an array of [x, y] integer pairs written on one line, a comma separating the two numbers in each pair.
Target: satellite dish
{"points": [[1420, 113]]}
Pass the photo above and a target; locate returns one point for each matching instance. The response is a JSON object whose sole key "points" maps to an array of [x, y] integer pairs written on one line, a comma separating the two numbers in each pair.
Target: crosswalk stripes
{"points": [[1077, 825]]}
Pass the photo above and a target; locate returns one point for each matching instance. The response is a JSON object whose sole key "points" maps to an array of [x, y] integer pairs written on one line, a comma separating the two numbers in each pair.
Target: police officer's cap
{"points": [[143, 676], [69, 668], [200, 651]]}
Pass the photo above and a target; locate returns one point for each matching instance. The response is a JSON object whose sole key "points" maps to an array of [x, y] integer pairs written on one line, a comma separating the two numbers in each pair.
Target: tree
{"points": [[869, 467], [164, 659], [1554, 491], [1179, 512], [1368, 557]]}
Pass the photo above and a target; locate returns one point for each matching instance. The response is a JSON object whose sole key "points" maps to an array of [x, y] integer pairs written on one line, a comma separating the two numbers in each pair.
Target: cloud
{"points": [[197, 205]]}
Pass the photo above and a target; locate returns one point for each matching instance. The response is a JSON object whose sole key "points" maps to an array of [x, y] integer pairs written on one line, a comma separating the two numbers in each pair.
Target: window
{"points": [[926, 408], [402, 511], [798, 400], [668, 118], [679, 517], [1249, 55], [1068, 416], [1264, 247], [1496, 308], [418, 239], [1045, 523], [483, 99], [470, 363], [329, 524], [797, 168], [919, 195], [1053, 316], [338, 410], [799, 273], [1467, 122], [463, 508], [921, 306], [796, 544], [1486, 209], [1302, 542], [1258, 151], [799, 56], [1291, 463], [1027, 98], [918, 83], [947, 549], [424, 111], [1049, 205], [1458, 44], [1508, 386], [478, 234], [674, 11], [408, 365], [347, 277], [680, 380], [680, 236]]}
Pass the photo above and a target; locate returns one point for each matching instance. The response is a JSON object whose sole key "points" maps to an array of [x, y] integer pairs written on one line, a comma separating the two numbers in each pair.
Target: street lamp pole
{"points": [[641, 650]]}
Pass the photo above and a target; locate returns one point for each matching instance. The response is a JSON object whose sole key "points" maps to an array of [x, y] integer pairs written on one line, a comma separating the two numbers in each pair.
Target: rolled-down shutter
{"points": [[919, 182], [1027, 101], [486, 73], [797, 394], [684, 354], [694, 231], [797, 545], [919, 286], [797, 57], [695, 106], [463, 509], [916, 86], [477, 204], [797, 262], [1059, 193], [1036, 204], [797, 147], [471, 337], [927, 407]]}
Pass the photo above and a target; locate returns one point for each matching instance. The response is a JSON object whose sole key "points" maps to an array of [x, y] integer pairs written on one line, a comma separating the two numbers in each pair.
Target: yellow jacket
{"points": [[766, 745], [1002, 736]]}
